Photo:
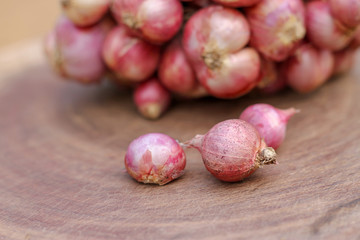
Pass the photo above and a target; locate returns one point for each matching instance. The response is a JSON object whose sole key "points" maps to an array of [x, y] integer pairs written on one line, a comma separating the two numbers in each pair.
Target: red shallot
{"points": [[155, 158], [156, 21], [308, 68], [269, 121], [85, 12], [232, 150], [277, 26], [151, 98], [323, 30], [131, 58], [75, 53], [213, 40]]}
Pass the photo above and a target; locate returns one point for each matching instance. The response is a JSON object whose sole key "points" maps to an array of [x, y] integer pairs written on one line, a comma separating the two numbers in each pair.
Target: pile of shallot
{"points": [[196, 48]]}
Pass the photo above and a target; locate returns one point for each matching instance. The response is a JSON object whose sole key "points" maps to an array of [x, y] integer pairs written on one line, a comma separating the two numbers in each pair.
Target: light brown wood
{"points": [[62, 173]]}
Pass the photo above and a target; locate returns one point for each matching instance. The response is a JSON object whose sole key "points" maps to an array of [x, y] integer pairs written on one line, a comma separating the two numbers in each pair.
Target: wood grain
{"points": [[62, 173]]}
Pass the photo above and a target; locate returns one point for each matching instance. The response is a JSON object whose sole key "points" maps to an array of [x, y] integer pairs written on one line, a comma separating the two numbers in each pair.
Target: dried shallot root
{"points": [[155, 158], [151, 99], [269, 121], [214, 39], [232, 150], [75, 53]]}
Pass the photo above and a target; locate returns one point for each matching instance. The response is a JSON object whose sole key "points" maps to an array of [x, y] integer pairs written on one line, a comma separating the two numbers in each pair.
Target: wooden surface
{"points": [[62, 174]]}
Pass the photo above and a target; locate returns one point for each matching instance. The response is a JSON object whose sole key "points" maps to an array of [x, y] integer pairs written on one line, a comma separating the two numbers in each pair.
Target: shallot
{"points": [[154, 20], [344, 60], [151, 98], [277, 26], [213, 39], [232, 150], [175, 71], [308, 68], [131, 59], [75, 53], [85, 12], [155, 158], [323, 30], [269, 121], [346, 11]]}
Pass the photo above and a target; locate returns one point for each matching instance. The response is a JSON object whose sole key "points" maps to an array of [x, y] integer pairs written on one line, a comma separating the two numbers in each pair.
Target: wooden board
{"points": [[62, 174]]}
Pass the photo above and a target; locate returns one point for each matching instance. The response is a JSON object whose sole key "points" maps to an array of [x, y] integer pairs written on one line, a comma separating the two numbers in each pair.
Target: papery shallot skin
{"points": [[346, 11], [308, 68], [151, 98], [269, 121], [237, 3], [85, 12], [277, 27], [232, 150], [323, 30], [214, 39], [155, 158], [132, 59], [75, 53], [175, 71], [156, 21]]}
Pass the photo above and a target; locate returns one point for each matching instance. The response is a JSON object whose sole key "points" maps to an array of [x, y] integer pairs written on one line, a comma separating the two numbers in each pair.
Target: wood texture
{"points": [[62, 174]]}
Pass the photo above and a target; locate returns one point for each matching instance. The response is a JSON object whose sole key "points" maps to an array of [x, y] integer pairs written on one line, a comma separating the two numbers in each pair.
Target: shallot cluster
{"points": [[197, 48], [231, 150]]}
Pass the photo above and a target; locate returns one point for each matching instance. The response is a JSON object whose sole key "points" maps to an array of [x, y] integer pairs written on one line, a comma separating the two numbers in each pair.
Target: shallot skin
{"points": [[237, 3], [308, 68], [323, 30], [151, 98], [232, 150], [156, 21], [213, 39], [75, 53], [269, 121], [155, 158], [85, 12], [277, 26], [131, 58]]}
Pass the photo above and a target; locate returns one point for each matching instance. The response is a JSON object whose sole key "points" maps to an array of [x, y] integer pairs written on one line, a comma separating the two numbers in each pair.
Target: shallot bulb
{"points": [[155, 158], [323, 30], [156, 21], [237, 3], [346, 11], [175, 71], [132, 59], [269, 121], [277, 26], [213, 40], [308, 68], [344, 60], [232, 150], [272, 78], [75, 53], [85, 12], [151, 99]]}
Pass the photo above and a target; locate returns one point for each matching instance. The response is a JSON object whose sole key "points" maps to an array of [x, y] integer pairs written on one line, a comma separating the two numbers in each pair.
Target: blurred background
{"points": [[20, 20]]}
